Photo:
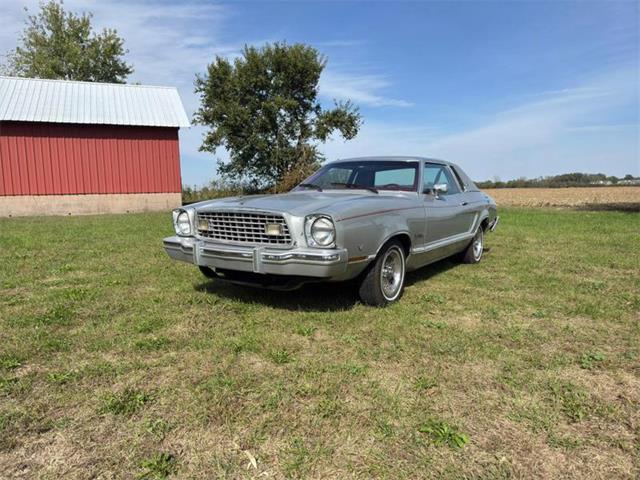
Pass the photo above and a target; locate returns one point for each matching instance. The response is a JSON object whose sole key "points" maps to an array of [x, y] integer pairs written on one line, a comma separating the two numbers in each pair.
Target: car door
{"points": [[469, 211], [443, 210]]}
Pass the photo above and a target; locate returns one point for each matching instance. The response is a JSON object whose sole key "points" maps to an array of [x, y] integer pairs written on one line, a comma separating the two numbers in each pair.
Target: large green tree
{"points": [[263, 109], [62, 45]]}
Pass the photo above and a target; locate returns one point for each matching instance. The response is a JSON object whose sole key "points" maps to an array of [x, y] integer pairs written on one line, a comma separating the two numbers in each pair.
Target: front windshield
{"points": [[370, 175]]}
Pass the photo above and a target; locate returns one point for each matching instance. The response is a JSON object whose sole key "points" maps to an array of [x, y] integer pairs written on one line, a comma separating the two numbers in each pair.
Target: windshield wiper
{"points": [[311, 185], [355, 185]]}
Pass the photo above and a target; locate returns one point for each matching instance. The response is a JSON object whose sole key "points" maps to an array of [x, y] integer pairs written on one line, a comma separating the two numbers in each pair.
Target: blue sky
{"points": [[506, 89]]}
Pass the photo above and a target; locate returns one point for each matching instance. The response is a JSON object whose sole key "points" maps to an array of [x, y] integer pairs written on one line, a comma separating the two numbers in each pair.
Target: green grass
{"points": [[116, 362]]}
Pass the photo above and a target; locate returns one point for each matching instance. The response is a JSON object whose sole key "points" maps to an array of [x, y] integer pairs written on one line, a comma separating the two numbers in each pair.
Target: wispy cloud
{"points": [[362, 88], [339, 43], [550, 129]]}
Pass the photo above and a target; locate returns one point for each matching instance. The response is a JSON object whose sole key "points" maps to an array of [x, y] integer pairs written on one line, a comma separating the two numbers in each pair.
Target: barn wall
{"points": [[68, 159], [39, 205]]}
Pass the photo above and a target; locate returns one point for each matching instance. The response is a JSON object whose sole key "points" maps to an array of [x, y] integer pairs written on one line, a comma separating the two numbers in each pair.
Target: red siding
{"points": [[48, 158]]}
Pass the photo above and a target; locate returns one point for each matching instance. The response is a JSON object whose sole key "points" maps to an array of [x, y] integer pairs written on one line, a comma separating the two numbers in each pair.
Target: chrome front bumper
{"points": [[263, 259]]}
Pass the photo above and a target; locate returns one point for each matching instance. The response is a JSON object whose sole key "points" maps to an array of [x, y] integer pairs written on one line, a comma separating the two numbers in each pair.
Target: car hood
{"points": [[337, 203]]}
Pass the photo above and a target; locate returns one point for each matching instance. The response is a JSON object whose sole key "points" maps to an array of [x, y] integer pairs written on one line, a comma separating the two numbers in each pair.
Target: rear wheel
{"points": [[473, 253], [383, 282]]}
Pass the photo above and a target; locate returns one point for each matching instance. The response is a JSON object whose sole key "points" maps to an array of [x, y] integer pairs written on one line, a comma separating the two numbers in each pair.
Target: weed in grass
{"points": [[433, 324], [328, 407], [538, 314], [573, 401], [10, 362], [125, 403], [273, 397], [565, 442], [148, 325], [306, 331], [424, 383], [78, 294], [280, 356], [60, 377], [433, 298], [55, 343], [8, 385], [384, 429], [5, 419], [441, 433], [151, 344], [355, 368], [590, 360], [158, 467], [244, 343], [296, 463], [349, 339], [57, 315], [157, 427], [537, 416], [218, 382]]}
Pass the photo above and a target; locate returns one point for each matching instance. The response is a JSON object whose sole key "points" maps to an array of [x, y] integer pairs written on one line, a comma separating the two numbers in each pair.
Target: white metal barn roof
{"points": [[62, 101]]}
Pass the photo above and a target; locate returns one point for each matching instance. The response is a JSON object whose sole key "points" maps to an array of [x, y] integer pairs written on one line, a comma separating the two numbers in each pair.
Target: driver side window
{"points": [[435, 174]]}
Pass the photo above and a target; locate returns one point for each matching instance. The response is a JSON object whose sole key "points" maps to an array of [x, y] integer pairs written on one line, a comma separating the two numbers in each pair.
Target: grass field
{"points": [[116, 362], [626, 198]]}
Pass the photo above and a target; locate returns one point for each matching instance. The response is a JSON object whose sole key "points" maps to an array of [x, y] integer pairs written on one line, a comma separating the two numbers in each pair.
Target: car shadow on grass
{"points": [[313, 297], [426, 273]]}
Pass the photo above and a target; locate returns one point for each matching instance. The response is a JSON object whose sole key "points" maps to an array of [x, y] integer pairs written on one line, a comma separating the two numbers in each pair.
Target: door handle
{"points": [[464, 204]]}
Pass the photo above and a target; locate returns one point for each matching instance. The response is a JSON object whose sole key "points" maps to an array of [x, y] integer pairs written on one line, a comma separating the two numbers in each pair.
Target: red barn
{"points": [[81, 147]]}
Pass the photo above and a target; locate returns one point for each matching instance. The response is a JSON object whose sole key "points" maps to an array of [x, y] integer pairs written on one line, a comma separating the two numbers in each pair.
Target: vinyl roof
{"points": [[62, 101]]}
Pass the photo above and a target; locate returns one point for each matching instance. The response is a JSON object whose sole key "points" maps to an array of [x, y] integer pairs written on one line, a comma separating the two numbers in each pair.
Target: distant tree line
{"points": [[576, 179]]}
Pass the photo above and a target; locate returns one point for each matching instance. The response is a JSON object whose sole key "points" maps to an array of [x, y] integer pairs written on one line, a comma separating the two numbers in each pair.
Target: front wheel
{"points": [[473, 253], [383, 282]]}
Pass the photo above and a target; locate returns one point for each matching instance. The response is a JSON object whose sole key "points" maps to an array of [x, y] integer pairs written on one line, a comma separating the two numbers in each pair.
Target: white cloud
{"points": [[545, 136], [362, 89]]}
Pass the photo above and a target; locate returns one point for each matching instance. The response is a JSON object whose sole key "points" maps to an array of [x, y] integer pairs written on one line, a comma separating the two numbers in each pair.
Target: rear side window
{"points": [[459, 178]]}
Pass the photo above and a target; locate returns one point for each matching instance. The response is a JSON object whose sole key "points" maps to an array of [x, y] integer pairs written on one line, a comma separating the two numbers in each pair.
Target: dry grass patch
{"points": [[565, 197]]}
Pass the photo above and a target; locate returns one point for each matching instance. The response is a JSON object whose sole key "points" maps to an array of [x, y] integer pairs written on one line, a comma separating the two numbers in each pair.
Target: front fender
{"points": [[365, 236]]}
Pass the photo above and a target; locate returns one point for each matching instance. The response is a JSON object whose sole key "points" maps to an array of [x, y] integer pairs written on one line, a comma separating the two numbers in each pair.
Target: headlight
{"points": [[320, 231], [182, 222]]}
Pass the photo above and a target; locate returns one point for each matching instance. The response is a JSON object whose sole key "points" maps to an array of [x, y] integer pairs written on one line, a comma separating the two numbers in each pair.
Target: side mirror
{"points": [[440, 188]]}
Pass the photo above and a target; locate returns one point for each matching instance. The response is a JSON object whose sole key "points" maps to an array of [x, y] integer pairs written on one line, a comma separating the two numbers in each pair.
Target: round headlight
{"points": [[322, 231], [183, 225]]}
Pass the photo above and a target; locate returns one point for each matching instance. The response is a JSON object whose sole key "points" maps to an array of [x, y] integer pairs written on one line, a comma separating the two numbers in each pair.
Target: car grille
{"points": [[242, 227]]}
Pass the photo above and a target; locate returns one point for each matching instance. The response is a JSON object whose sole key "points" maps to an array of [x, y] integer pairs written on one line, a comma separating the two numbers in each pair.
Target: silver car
{"points": [[371, 219]]}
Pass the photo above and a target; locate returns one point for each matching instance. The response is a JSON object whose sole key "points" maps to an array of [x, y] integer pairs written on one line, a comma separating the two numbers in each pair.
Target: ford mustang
{"points": [[371, 219]]}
